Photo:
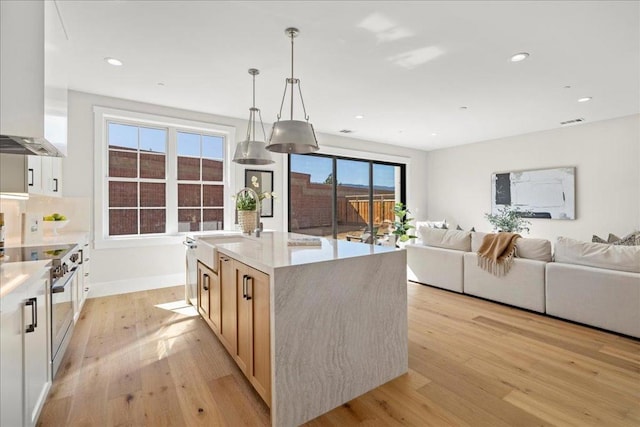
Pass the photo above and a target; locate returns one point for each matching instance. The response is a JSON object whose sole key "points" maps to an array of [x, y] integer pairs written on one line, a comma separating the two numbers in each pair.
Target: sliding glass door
{"points": [[344, 198], [311, 195], [352, 198]]}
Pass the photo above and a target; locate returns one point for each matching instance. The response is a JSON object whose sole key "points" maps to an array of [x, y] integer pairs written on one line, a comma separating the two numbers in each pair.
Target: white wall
{"points": [[116, 270], [606, 155]]}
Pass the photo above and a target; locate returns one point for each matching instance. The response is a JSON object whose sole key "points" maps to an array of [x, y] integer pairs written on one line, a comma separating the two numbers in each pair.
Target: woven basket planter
{"points": [[248, 221]]}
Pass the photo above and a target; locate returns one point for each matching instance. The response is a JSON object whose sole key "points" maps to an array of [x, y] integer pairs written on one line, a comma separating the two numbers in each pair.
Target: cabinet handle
{"points": [[244, 286], [33, 302], [30, 177], [55, 181], [248, 297], [205, 286]]}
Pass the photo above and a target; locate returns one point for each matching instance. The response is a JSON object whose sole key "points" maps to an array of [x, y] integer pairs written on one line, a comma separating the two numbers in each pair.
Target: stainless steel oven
{"points": [[64, 283]]}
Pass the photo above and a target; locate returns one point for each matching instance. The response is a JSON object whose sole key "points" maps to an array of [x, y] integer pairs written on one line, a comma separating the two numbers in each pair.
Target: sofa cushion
{"points": [[538, 249], [476, 240], [601, 255], [526, 247], [447, 239]]}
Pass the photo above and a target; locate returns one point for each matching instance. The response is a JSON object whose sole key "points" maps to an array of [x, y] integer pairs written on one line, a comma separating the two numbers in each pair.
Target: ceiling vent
{"points": [[572, 122], [346, 131]]}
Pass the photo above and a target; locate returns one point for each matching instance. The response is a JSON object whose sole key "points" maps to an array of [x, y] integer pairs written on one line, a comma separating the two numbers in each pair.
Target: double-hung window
{"points": [[157, 177], [137, 159]]}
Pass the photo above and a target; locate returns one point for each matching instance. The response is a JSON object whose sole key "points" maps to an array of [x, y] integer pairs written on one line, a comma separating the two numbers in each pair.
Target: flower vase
{"points": [[248, 221]]}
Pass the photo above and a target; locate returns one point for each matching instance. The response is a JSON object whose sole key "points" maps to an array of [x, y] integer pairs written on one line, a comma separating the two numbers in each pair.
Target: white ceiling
{"points": [[407, 66]]}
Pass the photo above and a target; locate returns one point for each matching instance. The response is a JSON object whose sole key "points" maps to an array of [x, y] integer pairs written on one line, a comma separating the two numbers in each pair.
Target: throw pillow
{"points": [[632, 239], [612, 238], [596, 239]]}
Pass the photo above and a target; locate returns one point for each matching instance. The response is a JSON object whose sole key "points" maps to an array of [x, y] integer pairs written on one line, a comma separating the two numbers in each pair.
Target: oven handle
{"points": [[60, 288]]}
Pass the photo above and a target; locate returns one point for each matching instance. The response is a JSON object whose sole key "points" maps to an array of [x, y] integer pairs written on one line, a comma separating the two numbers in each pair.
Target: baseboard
{"points": [[104, 289]]}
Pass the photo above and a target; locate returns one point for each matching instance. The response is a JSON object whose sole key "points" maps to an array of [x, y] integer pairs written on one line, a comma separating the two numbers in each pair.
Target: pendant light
{"points": [[292, 136], [250, 151]]}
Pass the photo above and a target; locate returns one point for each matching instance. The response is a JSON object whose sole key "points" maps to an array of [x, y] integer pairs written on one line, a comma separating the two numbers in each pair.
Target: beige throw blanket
{"points": [[496, 252]]}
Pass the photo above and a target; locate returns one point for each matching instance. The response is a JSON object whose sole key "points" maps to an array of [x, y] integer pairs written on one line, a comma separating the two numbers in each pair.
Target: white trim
{"points": [[103, 289], [104, 114], [364, 155]]}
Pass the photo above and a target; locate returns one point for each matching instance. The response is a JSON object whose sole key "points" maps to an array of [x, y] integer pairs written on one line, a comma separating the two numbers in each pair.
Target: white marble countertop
{"points": [[15, 274], [271, 251]]}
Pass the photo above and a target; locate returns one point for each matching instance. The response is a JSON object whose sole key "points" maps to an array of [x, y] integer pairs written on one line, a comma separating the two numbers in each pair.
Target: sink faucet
{"points": [[257, 199]]}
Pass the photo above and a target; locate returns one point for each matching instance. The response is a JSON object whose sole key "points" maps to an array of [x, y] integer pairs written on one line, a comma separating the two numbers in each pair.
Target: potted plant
{"points": [[247, 207], [402, 225], [509, 219]]}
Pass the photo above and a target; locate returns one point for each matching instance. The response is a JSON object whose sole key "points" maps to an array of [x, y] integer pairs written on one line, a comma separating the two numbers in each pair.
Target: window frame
{"points": [[104, 115], [372, 158]]}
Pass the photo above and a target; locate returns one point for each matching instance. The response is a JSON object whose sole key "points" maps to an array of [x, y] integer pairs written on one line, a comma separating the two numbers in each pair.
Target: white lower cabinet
{"points": [[25, 352]]}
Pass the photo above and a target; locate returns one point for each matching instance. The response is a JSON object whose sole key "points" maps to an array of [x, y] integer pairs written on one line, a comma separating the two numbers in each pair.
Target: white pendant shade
{"points": [[293, 136]]}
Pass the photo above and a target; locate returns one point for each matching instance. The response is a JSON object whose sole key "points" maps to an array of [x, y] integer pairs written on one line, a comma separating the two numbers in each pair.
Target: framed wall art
{"points": [[545, 193], [261, 181]]}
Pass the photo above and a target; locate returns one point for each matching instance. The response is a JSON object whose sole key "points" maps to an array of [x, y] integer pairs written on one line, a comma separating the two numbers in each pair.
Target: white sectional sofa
{"points": [[591, 283], [438, 261], [522, 286], [595, 283]]}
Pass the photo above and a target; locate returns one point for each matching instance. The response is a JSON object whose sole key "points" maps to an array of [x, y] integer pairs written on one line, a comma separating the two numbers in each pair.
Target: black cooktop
{"points": [[36, 253]]}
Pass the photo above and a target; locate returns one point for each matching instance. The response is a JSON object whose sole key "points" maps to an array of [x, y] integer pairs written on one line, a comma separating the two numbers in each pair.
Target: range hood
{"points": [[11, 144]]}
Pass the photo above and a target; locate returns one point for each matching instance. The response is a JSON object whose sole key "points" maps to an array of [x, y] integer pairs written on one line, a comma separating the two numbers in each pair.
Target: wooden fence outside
{"points": [[355, 209]]}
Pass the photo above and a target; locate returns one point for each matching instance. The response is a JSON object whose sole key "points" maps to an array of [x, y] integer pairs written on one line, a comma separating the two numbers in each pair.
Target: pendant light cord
{"points": [[292, 81], [253, 112]]}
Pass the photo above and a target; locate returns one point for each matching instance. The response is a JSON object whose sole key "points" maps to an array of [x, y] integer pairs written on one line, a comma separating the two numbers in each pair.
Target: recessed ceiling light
{"points": [[113, 61], [345, 131], [463, 107], [585, 99], [359, 116], [567, 87], [519, 57], [434, 134], [160, 84]]}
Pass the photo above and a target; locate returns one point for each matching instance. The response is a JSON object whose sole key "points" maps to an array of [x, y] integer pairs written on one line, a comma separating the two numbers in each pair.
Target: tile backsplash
{"points": [[76, 209]]}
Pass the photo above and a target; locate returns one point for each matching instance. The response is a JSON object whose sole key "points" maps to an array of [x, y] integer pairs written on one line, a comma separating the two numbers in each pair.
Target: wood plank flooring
{"points": [[142, 359]]}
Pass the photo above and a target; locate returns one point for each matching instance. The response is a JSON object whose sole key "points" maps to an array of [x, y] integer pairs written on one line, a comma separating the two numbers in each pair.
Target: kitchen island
{"points": [[312, 327]]}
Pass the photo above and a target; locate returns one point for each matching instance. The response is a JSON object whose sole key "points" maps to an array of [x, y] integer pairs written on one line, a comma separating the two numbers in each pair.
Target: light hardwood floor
{"points": [[136, 360]]}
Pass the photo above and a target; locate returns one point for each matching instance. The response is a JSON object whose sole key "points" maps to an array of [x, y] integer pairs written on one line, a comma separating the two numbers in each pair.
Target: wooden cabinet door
{"points": [[227, 277], [204, 284], [259, 316], [214, 300], [243, 349]]}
